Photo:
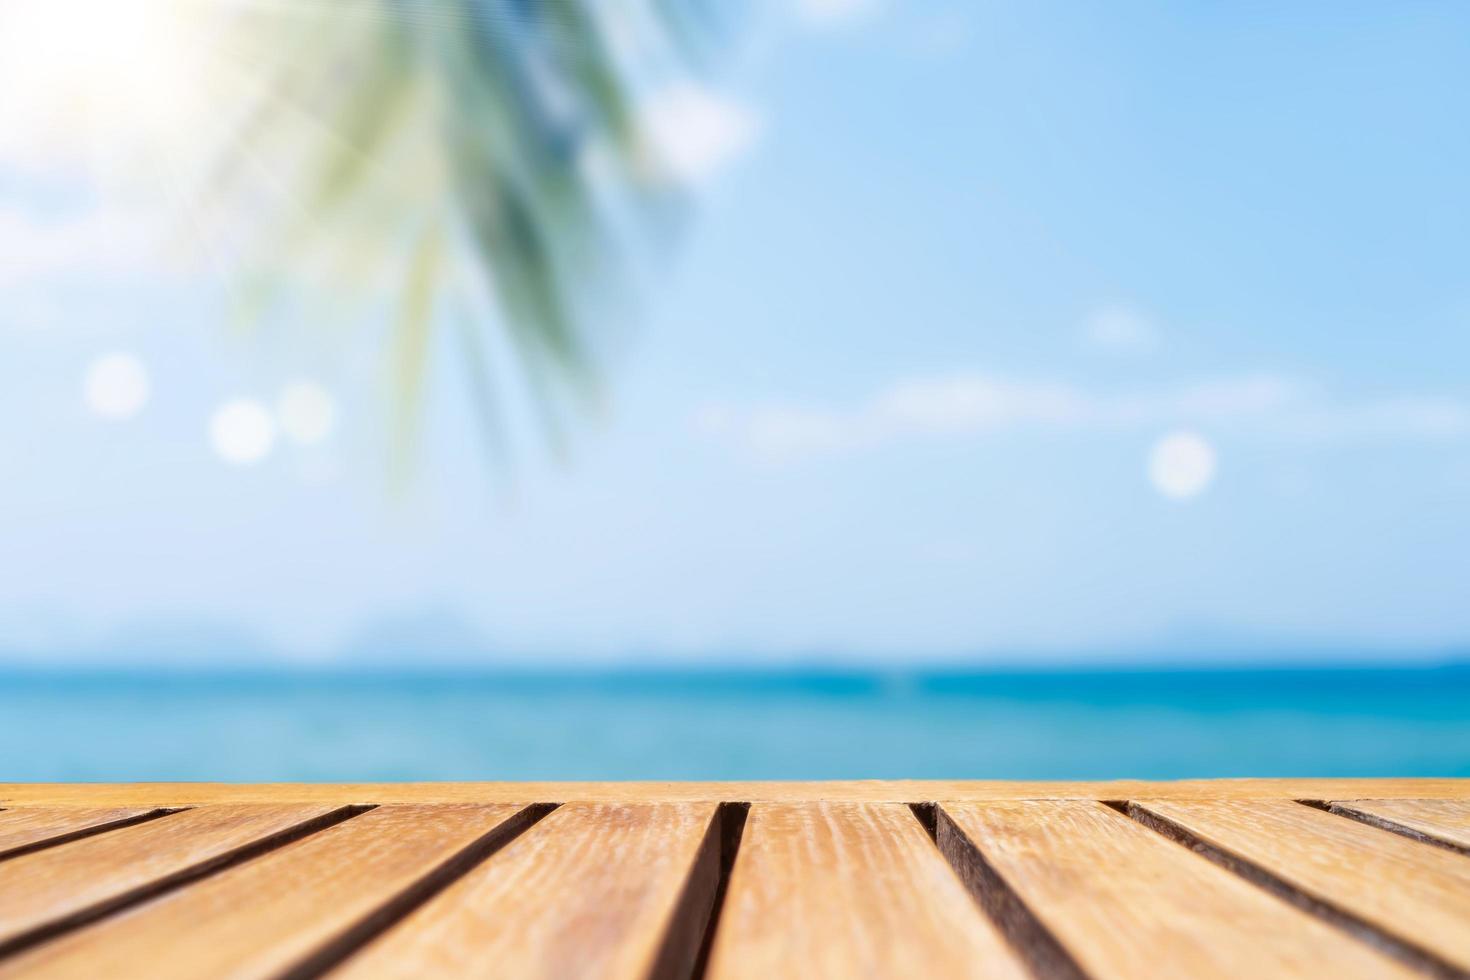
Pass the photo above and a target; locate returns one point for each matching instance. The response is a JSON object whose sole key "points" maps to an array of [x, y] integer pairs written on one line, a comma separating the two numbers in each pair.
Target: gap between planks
{"points": [[1328, 908], [49, 827], [680, 950], [1372, 813], [31, 929]]}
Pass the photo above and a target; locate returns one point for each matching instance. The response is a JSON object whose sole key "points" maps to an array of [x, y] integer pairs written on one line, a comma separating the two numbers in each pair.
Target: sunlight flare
{"points": [[102, 67]]}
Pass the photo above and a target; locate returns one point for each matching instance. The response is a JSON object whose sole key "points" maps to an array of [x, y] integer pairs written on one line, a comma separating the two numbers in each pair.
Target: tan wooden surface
{"points": [[267, 915], [62, 881], [587, 892], [1415, 891], [1124, 901], [859, 791], [20, 829], [846, 890], [1446, 820], [1243, 878]]}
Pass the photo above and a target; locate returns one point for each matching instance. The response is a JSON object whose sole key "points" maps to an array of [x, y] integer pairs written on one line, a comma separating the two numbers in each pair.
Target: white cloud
{"points": [[98, 242], [834, 13], [1120, 330], [779, 431], [968, 405], [30, 309], [1426, 417], [694, 133], [942, 34]]}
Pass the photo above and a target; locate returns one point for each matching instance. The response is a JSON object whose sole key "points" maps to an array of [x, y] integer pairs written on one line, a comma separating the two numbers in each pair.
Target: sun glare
{"points": [[97, 69]]}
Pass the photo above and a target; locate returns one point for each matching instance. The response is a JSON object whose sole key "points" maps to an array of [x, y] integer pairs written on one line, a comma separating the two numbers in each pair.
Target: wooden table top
{"points": [[1230, 878]]}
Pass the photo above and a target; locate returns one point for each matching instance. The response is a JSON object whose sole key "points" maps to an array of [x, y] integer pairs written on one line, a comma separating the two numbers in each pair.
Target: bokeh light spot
{"points": [[242, 432], [116, 386], [1181, 465], [307, 412]]}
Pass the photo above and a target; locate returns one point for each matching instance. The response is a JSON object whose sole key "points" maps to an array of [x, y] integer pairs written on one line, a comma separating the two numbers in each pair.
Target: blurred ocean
{"points": [[671, 724]]}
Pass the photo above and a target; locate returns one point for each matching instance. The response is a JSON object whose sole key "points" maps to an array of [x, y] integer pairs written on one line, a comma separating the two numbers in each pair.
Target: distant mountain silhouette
{"points": [[407, 639]]}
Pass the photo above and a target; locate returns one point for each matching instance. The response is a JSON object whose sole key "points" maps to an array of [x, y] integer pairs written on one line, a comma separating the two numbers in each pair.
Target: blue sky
{"points": [[956, 270]]}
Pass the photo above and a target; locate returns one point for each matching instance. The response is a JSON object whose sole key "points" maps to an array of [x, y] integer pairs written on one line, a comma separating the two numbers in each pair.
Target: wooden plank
{"points": [[848, 890], [75, 881], [269, 915], [588, 891], [1412, 892], [863, 791], [31, 827], [1122, 901], [1447, 821]]}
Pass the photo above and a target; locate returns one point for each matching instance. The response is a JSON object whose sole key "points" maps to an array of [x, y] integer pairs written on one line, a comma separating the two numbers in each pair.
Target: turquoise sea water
{"points": [[735, 725]]}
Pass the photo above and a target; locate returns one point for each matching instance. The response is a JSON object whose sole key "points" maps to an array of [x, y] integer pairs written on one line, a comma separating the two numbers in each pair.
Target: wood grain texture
{"points": [[863, 791], [28, 827], [849, 890], [587, 892], [1413, 891], [62, 882], [831, 879], [1125, 902], [265, 916], [1445, 820]]}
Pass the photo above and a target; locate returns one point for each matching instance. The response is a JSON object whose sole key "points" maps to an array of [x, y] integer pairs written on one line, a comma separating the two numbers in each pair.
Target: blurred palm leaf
{"points": [[466, 144]]}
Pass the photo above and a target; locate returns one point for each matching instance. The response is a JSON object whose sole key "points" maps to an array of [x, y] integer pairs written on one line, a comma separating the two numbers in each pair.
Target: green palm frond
{"points": [[454, 141]]}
